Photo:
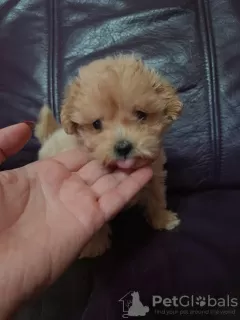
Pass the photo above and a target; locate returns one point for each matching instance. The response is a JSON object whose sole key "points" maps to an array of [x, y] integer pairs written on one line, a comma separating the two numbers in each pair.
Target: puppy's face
{"points": [[120, 109]]}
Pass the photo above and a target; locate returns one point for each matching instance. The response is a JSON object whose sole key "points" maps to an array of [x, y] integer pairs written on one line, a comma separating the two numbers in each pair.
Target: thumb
{"points": [[13, 139]]}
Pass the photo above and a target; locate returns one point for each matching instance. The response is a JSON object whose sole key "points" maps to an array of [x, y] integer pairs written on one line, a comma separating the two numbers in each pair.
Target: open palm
{"points": [[51, 208]]}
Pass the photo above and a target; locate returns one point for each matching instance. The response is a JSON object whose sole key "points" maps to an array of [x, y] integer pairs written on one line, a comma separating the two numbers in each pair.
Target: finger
{"points": [[92, 172], [113, 201], [73, 159], [13, 139], [3, 157], [108, 182]]}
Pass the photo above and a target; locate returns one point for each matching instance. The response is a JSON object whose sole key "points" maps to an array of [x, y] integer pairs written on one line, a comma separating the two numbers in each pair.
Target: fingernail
{"points": [[31, 124]]}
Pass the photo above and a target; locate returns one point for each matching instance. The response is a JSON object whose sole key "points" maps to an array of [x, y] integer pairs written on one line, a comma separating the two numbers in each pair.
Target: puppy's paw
{"points": [[98, 245], [165, 220], [172, 220]]}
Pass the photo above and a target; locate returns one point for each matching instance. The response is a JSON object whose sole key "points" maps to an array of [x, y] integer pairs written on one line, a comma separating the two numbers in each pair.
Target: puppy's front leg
{"points": [[157, 214]]}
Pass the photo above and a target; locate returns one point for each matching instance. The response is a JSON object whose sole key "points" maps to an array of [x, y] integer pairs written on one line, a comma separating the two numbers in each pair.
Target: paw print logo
{"points": [[200, 301]]}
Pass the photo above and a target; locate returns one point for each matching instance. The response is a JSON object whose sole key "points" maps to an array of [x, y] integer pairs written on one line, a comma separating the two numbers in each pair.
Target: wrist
{"points": [[10, 287], [12, 188]]}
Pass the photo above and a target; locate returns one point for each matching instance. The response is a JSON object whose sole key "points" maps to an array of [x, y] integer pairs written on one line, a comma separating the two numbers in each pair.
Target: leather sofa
{"points": [[196, 45]]}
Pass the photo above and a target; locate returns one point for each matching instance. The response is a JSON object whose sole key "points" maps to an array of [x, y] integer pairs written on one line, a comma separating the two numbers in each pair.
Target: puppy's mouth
{"points": [[126, 163], [129, 163]]}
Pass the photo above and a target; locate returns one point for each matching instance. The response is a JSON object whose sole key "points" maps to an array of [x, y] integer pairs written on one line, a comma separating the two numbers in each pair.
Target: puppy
{"points": [[119, 110]]}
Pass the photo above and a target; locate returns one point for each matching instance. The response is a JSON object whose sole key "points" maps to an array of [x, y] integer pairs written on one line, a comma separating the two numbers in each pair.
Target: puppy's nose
{"points": [[123, 148]]}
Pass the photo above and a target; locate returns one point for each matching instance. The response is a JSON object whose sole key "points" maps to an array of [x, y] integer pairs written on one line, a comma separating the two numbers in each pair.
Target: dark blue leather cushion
{"points": [[199, 258]]}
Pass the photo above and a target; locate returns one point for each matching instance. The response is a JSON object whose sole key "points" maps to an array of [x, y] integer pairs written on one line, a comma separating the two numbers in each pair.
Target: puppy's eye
{"points": [[97, 124], [141, 115]]}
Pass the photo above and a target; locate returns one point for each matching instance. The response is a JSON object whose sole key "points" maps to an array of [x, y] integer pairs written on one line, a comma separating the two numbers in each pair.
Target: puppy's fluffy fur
{"points": [[119, 110]]}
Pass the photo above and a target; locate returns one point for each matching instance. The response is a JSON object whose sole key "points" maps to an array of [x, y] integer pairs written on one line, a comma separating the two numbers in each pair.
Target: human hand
{"points": [[60, 203], [13, 139]]}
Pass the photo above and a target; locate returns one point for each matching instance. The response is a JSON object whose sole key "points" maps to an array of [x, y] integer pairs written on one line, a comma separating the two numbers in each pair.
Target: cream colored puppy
{"points": [[119, 110]]}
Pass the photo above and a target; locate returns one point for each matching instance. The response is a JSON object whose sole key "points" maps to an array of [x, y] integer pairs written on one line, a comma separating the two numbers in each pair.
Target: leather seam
{"points": [[211, 74], [53, 57]]}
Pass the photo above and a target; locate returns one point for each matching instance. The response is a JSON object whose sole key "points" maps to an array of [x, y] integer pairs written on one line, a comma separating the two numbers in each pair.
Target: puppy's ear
{"points": [[173, 109], [67, 109], [172, 104]]}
